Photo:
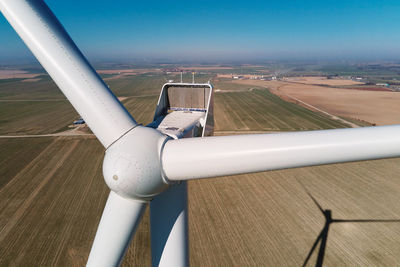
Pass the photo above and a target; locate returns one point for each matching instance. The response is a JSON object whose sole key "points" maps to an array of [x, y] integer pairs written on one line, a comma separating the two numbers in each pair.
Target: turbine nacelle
{"points": [[132, 164]]}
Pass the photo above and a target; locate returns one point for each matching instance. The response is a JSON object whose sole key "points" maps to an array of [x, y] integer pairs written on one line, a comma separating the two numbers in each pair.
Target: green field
{"points": [[35, 117], [260, 110], [137, 85], [45, 88], [148, 84], [142, 108], [40, 108], [229, 86], [16, 154]]}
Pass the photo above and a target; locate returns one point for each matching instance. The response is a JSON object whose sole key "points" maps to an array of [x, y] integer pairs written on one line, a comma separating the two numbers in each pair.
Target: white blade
{"points": [[52, 46], [118, 223], [193, 158]]}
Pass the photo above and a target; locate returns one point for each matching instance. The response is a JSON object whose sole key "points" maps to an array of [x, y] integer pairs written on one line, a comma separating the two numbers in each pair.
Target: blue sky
{"points": [[226, 30]]}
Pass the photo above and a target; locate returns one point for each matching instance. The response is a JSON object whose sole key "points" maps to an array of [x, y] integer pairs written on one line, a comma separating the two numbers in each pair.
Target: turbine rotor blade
{"points": [[117, 226], [194, 158], [50, 43]]}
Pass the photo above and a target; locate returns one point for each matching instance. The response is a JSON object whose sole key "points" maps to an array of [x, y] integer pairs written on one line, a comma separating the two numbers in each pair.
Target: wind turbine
{"points": [[143, 165]]}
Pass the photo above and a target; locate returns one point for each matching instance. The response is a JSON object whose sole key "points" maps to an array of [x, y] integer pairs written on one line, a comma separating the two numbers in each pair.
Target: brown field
{"points": [[370, 88], [252, 66], [14, 74], [125, 71], [52, 194], [247, 76], [206, 68], [267, 219], [380, 108], [121, 73], [322, 80], [31, 80]]}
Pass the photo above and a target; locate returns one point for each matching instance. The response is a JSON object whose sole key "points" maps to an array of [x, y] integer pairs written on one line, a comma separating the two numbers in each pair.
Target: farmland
{"points": [[35, 117], [15, 89], [322, 81], [52, 192], [260, 110], [142, 108], [268, 219], [375, 107]]}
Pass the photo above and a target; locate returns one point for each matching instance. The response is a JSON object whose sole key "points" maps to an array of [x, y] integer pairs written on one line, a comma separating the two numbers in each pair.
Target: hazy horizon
{"points": [[223, 31]]}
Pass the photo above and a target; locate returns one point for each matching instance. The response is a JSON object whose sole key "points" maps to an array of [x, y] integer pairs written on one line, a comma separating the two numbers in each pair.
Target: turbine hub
{"points": [[132, 165]]}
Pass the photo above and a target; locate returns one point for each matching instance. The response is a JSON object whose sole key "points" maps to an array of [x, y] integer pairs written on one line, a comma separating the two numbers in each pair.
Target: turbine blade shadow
{"points": [[364, 221], [322, 248], [313, 248], [313, 199], [323, 236]]}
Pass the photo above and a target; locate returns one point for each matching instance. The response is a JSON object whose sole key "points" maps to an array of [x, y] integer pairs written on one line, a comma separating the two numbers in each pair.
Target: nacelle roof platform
{"points": [[185, 110]]}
